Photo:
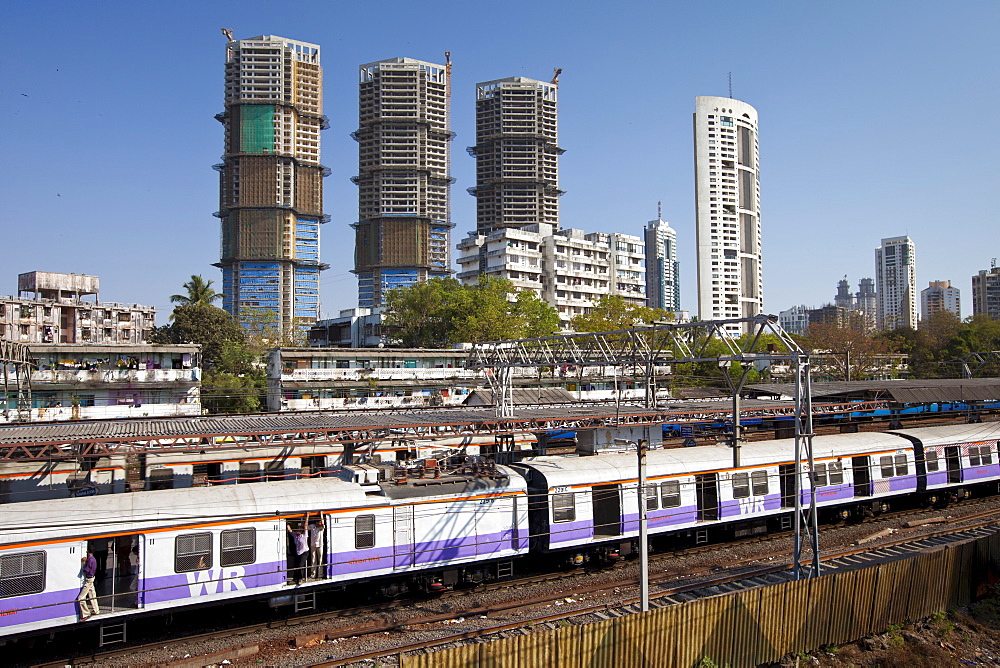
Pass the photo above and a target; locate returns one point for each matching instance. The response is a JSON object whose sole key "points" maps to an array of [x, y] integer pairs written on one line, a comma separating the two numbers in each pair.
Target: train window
{"points": [[364, 531], [670, 494], [888, 468], [192, 552], [836, 472], [931, 458], [651, 497], [819, 475], [973, 456], [239, 547], [901, 465], [161, 479], [563, 508], [22, 574], [759, 480], [985, 454], [741, 485], [249, 472]]}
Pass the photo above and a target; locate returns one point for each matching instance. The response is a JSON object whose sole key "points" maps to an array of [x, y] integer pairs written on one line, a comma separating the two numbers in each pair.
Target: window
{"points": [[364, 531], [888, 469], [741, 485], [985, 454], [192, 552], [563, 507], [670, 494], [239, 547], [931, 457], [22, 574], [651, 497], [836, 472], [759, 480], [901, 466], [249, 472], [819, 475], [161, 478]]}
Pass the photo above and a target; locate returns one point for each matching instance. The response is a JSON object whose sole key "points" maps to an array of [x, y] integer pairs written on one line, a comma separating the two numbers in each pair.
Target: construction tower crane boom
{"points": [[228, 33], [556, 71]]}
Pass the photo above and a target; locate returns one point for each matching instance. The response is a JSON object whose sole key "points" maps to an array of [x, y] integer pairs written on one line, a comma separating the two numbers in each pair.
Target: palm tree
{"points": [[199, 293]]}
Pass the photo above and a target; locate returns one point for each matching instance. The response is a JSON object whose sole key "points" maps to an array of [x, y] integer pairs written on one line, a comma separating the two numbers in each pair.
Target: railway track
{"points": [[675, 580]]}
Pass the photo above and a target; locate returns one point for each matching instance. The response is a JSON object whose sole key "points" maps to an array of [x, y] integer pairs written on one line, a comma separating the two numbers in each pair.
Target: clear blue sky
{"points": [[876, 119]]}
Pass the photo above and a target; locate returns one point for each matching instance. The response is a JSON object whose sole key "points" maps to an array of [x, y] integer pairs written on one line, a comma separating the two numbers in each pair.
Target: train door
{"points": [[953, 455], [862, 474], [707, 490], [118, 570], [607, 504], [402, 536], [786, 478]]}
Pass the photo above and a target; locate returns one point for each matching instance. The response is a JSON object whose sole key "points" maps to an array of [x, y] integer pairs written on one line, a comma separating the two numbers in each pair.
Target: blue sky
{"points": [[876, 119]]}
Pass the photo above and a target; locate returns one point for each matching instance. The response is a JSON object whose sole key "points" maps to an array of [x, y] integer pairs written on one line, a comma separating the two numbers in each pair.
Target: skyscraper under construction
{"points": [[404, 138], [271, 193], [517, 154]]}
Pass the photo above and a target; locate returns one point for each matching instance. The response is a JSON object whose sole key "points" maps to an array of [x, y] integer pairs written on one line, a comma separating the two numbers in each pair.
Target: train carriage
{"points": [[956, 457]]}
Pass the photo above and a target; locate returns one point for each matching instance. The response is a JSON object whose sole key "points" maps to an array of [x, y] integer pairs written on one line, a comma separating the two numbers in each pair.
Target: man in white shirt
{"points": [[316, 557]]}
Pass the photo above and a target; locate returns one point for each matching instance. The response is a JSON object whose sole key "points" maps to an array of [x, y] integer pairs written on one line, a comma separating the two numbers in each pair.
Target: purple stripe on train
{"points": [[217, 580], [38, 607], [372, 559], [979, 473]]}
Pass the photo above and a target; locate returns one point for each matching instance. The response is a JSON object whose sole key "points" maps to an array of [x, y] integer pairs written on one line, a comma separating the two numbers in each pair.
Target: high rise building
{"points": [[940, 296], [844, 298], [986, 292], [663, 273], [517, 154], [727, 202], [404, 142], [866, 304], [271, 192], [896, 280]]}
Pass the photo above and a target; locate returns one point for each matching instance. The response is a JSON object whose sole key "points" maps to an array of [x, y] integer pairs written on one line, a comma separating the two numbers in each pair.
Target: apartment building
{"points": [[271, 180], [896, 283], [403, 232], [986, 292], [940, 296]]}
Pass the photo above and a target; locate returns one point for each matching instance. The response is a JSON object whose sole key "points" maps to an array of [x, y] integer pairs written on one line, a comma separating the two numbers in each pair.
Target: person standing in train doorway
{"points": [[299, 553], [316, 557], [88, 595]]}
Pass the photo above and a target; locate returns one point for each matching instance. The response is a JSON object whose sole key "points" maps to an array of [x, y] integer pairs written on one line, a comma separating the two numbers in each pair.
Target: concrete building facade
{"points": [[65, 308], [986, 292], [663, 269], [517, 154], [896, 283], [403, 232], [795, 320], [727, 202], [271, 180], [940, 296], [568, 268]]}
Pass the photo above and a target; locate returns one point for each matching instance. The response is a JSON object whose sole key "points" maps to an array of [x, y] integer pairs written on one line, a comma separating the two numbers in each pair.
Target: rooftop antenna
{"points": [[659, 210], [993, 263], [731, 86]]}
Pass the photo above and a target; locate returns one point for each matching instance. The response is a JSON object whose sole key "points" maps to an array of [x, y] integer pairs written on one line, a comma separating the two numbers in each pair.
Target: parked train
{"points": [[433, 524]]}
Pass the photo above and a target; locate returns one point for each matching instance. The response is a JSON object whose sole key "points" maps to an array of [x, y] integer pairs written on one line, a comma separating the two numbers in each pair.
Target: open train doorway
{"points": [[707, 491], [862, 474], [953, 457], [607, 504], [118, 571]]}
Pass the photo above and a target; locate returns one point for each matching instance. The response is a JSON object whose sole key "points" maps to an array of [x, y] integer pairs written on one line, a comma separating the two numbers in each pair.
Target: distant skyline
{"points": [[874, 122]]}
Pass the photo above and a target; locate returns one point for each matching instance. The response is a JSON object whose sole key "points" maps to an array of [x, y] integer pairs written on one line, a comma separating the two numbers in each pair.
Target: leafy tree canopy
{"points": [[199, 291], [613, 313], [443, 311]]}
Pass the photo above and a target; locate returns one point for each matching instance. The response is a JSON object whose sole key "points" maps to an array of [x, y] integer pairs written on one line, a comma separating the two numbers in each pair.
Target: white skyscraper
{"points": [[727, 201], [663, 276], [896, 283]]}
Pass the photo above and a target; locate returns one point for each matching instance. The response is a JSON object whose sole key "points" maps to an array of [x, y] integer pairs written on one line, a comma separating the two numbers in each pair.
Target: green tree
{"points": [[205, 325], [868, 355], [199, 291], [613, 313], [443, 311]]}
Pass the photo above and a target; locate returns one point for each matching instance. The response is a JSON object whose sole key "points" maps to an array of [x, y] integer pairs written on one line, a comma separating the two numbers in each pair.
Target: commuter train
{"points": [[432, 524]]}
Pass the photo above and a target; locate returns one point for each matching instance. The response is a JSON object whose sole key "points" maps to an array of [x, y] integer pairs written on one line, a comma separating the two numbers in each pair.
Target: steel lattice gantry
{"points": [[663, 343], [18, 356]]}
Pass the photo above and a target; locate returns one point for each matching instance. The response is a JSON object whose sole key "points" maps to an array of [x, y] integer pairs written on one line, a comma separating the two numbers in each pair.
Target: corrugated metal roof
{"points": [[929, 390]]}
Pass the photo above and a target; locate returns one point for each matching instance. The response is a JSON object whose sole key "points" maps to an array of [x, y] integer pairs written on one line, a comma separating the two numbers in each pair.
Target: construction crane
{"points": [[556, 71], [228, 33], [447, 75]]}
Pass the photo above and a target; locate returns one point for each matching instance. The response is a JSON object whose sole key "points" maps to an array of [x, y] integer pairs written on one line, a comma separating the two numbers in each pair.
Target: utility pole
{"points": [[643, 538]]}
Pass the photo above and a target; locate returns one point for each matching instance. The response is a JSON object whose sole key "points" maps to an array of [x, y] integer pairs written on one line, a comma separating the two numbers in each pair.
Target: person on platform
{"points": [[88, 595]]}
